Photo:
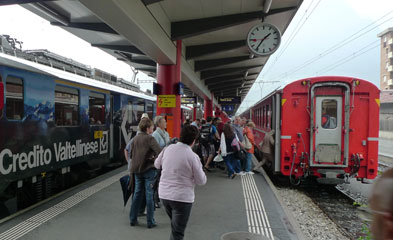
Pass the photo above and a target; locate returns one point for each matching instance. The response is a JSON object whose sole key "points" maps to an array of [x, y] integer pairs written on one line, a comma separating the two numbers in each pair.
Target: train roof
{"points": [[315, 79], [16, 62]]}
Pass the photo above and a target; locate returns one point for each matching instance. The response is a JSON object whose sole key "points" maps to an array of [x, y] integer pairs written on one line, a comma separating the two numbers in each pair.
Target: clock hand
{"points": [[263, 39]]}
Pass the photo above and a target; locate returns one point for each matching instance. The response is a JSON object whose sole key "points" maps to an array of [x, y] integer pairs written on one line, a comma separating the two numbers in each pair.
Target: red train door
{"points": [[328, 122], [329, 135]]}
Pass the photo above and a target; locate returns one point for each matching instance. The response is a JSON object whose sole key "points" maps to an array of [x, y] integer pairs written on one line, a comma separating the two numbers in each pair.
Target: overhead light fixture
{"points": [[266, 5], [245, 74], [251, 56]]}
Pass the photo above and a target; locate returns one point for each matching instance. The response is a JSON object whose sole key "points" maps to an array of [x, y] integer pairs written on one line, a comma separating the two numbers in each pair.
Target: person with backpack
{"points": [[208, 134]]}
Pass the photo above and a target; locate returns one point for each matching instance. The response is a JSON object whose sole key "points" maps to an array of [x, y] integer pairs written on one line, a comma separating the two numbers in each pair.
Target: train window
{"points": [[267, 117], [271, 117], [329, 114], [140, 109], [14, 98], [131, 117], [264, 117], [66, 106], [260, 116], [149, 110], [96, 108]]}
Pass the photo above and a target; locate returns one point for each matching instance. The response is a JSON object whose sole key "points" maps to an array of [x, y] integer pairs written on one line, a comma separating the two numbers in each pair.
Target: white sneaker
{"points": [[250, 172], [241, 173]]}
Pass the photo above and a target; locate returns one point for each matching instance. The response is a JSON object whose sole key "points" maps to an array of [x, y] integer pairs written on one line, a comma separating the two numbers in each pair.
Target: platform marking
{"points": [[37, 220], [257, 219]]}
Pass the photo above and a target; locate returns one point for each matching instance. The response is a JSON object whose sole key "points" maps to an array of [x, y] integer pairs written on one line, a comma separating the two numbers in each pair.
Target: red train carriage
{"points": [[326, 127]]}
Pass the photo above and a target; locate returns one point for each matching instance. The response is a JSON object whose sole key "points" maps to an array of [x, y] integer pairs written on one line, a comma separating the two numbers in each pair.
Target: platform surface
{"points": [[94, 210]]}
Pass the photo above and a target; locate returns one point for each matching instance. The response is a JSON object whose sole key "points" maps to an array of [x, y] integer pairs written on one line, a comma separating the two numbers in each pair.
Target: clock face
{"points": [[263, 39]]}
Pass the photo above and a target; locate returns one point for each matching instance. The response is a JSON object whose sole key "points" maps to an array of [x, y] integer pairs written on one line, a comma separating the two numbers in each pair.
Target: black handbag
{"points": [[241, 155]]}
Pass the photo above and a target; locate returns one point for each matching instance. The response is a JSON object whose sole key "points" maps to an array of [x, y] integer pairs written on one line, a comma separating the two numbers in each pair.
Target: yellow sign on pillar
{"points": [[166, 101]]}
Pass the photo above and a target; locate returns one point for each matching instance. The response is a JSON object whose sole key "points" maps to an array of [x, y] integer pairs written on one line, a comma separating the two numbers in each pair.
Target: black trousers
{"points": [[178, 212]]}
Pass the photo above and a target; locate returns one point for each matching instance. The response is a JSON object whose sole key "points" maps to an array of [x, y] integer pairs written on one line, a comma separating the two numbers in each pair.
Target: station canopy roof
{"points": [[142, 33]]}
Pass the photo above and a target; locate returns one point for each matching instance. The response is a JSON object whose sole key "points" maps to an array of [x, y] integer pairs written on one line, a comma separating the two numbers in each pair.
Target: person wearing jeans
{"points": [[144, 150], [247, 132], [233, 164], [144, 183], [181, 171]]}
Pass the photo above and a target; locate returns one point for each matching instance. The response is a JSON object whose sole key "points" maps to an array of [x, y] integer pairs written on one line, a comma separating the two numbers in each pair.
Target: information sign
{"points": [[188, 100], [166, 101], [228, 108], [229, 100]]}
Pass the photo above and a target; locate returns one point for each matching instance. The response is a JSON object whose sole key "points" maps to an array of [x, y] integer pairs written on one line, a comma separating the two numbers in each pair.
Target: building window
{"points": [[97, 108], [384, 78], [387, 64], [385, 39], [14, 98], [387, 50], [329, 114], [66, 106]]}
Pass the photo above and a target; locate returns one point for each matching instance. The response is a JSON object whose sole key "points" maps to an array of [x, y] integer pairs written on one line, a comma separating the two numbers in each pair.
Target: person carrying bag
{"points": [[228, 146]]}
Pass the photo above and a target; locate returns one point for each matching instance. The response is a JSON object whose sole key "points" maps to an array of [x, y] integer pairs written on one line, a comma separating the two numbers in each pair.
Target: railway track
{"points": [[383, 166], [337, 204]]}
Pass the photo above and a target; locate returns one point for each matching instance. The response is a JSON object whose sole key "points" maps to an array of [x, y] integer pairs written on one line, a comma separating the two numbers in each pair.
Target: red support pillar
{"points": [[194, 112], [216, 111], [168, 77], [208, 108]]}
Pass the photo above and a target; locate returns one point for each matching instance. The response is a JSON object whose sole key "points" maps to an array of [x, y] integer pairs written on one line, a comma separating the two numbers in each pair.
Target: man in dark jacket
{"points": [[144, 149]]}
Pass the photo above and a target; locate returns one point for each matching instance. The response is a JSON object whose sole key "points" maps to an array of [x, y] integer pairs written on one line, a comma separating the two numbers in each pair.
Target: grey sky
{"points": [[37, 33], [331, 22]]}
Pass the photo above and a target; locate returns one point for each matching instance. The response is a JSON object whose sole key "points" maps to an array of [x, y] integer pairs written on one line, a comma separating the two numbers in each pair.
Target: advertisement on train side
{"points": [[40, 156]]}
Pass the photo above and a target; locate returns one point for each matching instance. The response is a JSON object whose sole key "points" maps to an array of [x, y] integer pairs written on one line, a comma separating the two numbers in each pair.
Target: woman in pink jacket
{"points": [[181, 171]]}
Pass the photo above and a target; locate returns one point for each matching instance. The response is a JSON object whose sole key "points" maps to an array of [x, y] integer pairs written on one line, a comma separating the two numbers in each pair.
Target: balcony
{"points": [[390, 54], [390, 41], [390, 68], [390, 82]]}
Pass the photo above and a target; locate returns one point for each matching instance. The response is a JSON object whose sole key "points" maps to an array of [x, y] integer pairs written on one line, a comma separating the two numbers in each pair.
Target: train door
{"points": [[111, 128], [328, 122], [329, 130], [1, 98]]}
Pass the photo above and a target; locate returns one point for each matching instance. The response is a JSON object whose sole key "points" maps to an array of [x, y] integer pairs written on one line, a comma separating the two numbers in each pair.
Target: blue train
{"points": [[58, 126]]}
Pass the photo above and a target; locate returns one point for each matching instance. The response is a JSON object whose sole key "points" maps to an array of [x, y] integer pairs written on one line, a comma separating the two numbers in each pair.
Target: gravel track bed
{"points": [[312, 220]]}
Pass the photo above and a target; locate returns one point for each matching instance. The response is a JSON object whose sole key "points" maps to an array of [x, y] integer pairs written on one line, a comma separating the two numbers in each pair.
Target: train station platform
{"points": [[94, 210]]}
